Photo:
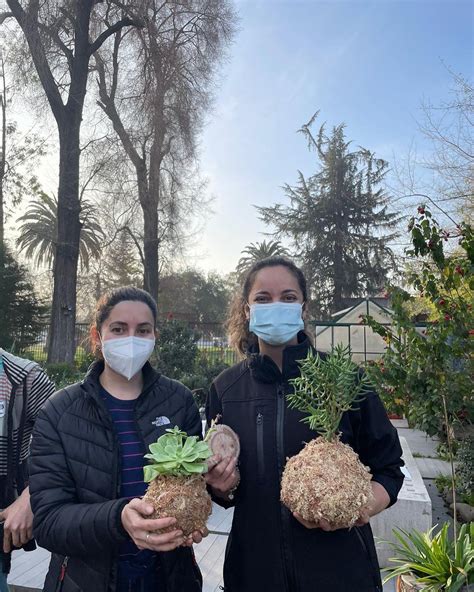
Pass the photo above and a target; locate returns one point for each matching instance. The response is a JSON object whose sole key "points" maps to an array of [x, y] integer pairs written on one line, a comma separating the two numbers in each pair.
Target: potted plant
{"points": [[326, 469], [432, 562]]}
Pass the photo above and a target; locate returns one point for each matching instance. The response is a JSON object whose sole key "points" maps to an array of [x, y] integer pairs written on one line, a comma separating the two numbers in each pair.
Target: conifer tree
{"points": [[338, 220]]}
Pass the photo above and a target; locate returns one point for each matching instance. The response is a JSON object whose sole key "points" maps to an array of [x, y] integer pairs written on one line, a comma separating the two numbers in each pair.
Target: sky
{"points": [[368, 64]]}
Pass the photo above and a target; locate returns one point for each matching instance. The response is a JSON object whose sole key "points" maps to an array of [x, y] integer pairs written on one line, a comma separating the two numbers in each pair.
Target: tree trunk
{"points": [[63, 314], [150, 250], [338, 273], [3, 155]]}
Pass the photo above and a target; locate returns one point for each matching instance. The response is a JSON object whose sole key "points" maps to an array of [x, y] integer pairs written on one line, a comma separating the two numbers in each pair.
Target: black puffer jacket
{"points": [[268, 549], [75, 482]]}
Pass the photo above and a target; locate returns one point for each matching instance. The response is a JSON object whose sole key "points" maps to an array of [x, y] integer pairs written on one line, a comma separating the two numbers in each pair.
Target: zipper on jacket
{"points": [[62, 574], [288, 572], [260, 456]]}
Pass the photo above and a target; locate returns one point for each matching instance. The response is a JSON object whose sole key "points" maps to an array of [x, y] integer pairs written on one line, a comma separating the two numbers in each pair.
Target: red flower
{"points": [[447, 317], [459, 270], [441, 302], [421, 210]]}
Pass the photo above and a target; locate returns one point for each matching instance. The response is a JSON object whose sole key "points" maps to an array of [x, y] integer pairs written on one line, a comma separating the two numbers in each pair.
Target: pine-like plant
{"points": [[326, 480], [177, 487]]}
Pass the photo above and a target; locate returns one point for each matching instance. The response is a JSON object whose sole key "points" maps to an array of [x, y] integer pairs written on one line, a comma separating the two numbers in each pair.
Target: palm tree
{"points": [[258, 251], [38, 232]]}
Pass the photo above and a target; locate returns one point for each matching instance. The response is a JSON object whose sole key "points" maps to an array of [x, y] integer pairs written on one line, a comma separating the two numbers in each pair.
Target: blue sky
{"points": [[368, 64]]}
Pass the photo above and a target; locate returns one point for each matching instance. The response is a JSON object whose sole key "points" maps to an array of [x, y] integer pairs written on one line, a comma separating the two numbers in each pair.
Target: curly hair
{"points": [[237, 325]]}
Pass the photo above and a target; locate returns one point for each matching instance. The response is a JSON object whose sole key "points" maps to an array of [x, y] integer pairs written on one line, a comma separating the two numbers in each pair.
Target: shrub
{"points": [[465, 468], [63, 374], [200, 380], [177, 349]]}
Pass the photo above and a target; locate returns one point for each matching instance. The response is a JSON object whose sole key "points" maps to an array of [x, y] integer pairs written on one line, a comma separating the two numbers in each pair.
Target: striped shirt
{"points": [[32, 388], [133, 563]]}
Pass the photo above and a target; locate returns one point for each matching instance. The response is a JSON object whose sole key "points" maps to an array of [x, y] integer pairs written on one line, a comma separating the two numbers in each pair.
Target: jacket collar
{"points": [[264, 369], [92, 385], [16, 369]]}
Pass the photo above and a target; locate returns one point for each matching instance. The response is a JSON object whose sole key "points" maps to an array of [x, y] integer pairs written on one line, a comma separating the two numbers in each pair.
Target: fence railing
{"points": [[212, 343], [214, 346]]}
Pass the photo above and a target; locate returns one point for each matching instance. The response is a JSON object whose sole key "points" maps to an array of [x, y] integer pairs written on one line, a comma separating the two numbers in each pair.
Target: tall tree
{"points": [[61, 37], [156, 88], [449, 126], [20, 309], [338, 220], [18, 156], [194, 296], [257, 251]]}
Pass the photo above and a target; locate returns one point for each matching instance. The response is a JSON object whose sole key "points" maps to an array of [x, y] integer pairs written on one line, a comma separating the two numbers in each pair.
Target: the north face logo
{"points": [[160, 421]]}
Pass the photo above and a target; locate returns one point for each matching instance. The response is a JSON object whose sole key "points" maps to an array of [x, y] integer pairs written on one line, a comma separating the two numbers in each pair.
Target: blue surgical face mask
{"points": [[276, 323]]}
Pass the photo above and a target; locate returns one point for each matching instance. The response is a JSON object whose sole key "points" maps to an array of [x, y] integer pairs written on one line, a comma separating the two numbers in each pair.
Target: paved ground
{"points": [[29, 569]]}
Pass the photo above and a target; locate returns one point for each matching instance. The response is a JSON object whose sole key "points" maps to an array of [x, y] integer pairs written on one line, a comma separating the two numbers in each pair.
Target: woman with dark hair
{"points": [[86, 469], [268, 547]]}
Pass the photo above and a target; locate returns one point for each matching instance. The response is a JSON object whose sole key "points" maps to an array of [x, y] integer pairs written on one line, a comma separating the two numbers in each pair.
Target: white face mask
{"points": [[127, 355]]}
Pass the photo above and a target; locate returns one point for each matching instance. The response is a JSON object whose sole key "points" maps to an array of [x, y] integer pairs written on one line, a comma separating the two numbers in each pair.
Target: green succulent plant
{"points": [[326, 388], [176, 453]]}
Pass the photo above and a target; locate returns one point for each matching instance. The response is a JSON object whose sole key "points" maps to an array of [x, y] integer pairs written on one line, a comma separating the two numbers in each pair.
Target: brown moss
{"points": [[326, 480], [183, 498]]}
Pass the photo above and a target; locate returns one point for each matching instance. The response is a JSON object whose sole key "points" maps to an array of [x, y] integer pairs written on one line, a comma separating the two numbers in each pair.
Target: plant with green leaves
{"points": [[436, 562], [176, 484], [326, 480], [326, 389], [176, 453]]}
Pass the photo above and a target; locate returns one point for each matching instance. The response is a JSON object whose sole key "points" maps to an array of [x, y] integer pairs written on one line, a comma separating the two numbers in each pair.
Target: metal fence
{"points": [[211, 342], [214, 346]]}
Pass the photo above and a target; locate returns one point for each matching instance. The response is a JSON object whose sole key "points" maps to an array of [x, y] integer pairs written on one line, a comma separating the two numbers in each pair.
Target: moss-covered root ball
{"points": [[326, 480]]}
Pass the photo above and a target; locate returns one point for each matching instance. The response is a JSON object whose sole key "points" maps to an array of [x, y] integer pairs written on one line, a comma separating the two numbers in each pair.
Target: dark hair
{"points": [[237, 324], [110, 299]]}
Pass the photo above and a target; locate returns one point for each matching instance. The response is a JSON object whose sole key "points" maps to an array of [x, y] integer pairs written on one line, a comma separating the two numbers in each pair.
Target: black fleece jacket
{"points": [[75, 481], [268, 549]]}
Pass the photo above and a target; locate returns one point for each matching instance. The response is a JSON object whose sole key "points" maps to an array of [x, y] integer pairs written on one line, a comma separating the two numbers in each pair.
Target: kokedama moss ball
{"points": [[182, 497], [326, 480]]}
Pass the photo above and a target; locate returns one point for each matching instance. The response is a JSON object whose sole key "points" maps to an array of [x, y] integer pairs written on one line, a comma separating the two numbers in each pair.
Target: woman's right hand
{"points": [[222, 474], [141, 529]]}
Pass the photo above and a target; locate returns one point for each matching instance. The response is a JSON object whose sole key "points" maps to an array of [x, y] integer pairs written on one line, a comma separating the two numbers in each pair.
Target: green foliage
{"points": [[176, 453], [429, 372], [176, 348], [63, 374], [338, 220], [465, 468], [38, 231], [200, 380], [20, 309], [439, 564], [326, 389], [258, 251], [201, 298]]}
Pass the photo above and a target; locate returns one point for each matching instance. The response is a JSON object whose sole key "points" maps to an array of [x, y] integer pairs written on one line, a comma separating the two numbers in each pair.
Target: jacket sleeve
{"points": [[60, 524], [378, 445], [41, 389]]}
